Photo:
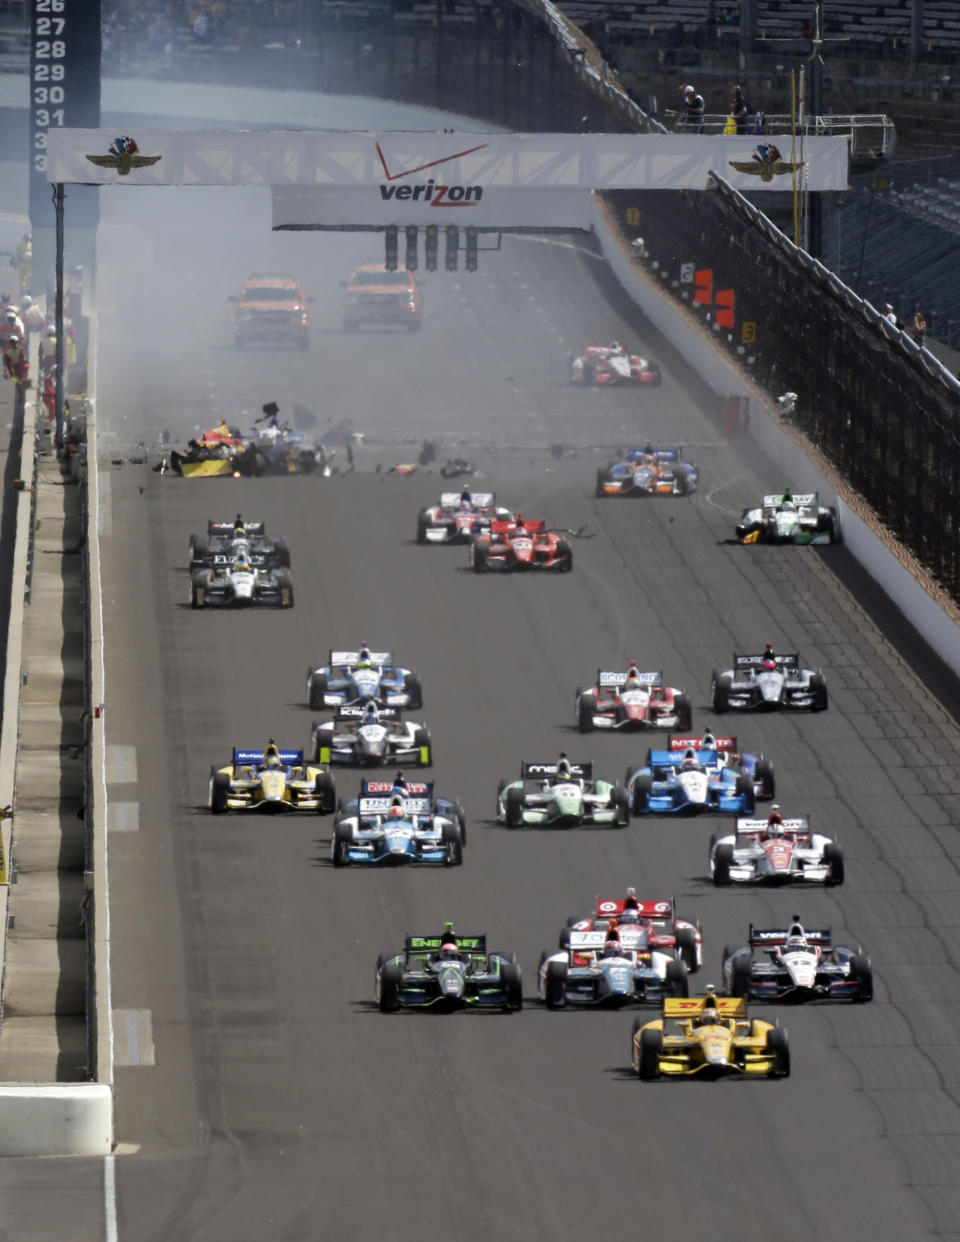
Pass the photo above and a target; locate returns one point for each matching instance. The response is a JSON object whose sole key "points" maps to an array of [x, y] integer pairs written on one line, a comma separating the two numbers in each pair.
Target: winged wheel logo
{"points": [[123, 154]]}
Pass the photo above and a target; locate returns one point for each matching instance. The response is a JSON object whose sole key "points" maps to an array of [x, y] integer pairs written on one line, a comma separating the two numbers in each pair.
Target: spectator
{"points": [[739, 109], [693, 110], [890, 314], [919, 329]]}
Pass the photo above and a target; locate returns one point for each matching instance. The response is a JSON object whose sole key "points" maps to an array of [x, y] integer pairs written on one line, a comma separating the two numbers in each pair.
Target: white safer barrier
{"points": [[56, 1119], [717, 369]]}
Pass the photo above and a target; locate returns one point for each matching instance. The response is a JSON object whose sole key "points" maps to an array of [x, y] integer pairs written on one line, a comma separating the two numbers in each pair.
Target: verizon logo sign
{"points": [[433, 193]]}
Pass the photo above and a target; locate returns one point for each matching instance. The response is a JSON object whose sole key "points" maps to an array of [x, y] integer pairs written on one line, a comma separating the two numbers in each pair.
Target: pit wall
{"points": [[886, 561]]}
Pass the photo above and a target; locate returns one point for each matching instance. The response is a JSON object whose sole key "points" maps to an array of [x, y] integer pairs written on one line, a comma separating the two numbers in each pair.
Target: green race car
{"points": [[561, 794]]}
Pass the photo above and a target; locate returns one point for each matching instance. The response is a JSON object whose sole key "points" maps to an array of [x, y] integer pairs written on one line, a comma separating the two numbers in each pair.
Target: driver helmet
{"points": [[769, 663], [709, 742], [708, 1015], [363, 657], [449, 952], [775, 826], [629, 915], [616, 348], [611, 948], [796, 936], [690, 761], [633, 673], [466, 500], [271, 756], [396, 809], [564, 771], [371, 712], [648, 453], [631, 902], [787, 501]]}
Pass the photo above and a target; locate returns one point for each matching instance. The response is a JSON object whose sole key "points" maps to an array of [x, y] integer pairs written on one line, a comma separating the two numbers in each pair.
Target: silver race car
{"points": [[395, 828], [613, 968], [775, 851], [767, 682], [368, 735]]}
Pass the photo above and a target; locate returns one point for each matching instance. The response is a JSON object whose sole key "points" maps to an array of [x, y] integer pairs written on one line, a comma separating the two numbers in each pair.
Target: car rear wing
{"points": [[756, 661], [775, 937], [630, 937], [540, 771], [727, 744], [662, 454], [356, 711], [754, 827], [256, 560], [606, 679], [612, 908], [690, 1006], [480, 500], [381, 805], [370, 788], [254, 758], [804, 500], [349, 658], [247, 531], [423, 946], [500, 527]]}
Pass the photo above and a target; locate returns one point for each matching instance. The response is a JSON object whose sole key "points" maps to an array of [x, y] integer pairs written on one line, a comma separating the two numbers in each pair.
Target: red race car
{"points": [[632, 700], [520, 545], [611, 364], [658, 918]]}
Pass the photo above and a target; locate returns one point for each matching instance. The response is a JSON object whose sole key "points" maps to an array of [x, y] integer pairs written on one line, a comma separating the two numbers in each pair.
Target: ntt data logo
{"points": [[434, 192]]}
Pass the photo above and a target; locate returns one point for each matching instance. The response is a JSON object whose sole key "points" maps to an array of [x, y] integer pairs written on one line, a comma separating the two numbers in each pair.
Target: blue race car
{"points": [[699, 774], [399, 821], [648, 472], [355, 676]]}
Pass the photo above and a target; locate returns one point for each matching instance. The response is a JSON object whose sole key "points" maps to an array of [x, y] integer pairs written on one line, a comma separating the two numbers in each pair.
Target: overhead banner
{"points": [[422, 173]]}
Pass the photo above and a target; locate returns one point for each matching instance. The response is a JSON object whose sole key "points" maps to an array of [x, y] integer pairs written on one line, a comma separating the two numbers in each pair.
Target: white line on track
{"points": [[709, 498], [110, 1199]]}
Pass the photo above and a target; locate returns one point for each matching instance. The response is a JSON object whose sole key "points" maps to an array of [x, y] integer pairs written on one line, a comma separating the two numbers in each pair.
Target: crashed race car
{"points": [[217, 452], [355, 676], [241, 581], [611, 364], [518, 546], [767, 682], [367, 735], [271, 779], [709, 1036], [796, 964], [775, 851], [395, 826], [699, 774], [787, 518], [632, 700], [458, 516], [225, 539], [449, 972], [561, 795], [447, 808], [648, 472], [612, 968], [665, 930]]}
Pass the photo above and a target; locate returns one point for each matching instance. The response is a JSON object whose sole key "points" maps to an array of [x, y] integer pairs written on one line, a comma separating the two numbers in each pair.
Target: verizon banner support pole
{"points": [[58, 378]]}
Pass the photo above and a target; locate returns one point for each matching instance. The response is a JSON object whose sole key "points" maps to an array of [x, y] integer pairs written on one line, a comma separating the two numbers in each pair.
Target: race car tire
{"points": [[317, 683], [741, 974], [460, 817], [342, 837], [722, 860], [763, 772], [833, 857], [564, 938], [676, 982], [565, 556], [721, 691], [325, 792], [411, 683], [555, 985], [834, 528], [862, 971], [391, 977], [197, 594], [478, 555], [513, 986], [424, 744], [423, 525], [779, 1048], [601, 479], [586, 709], [620, 801], [322, 736], [651, 1050], [747, 790], [640, 792], [285, 583], [219, 791], [199, 547], [453, 844], [685, 939], [818, 688], [684, 710], [683, 482], [513, 816], [281, 553]]}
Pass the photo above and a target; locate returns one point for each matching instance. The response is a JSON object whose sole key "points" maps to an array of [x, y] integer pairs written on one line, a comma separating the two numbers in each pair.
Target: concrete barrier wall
{"points": [[54, 1119], [885, 561]]}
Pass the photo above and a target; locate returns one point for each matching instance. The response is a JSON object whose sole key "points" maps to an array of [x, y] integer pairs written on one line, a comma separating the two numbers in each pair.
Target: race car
{"points": [[458, 516], [709, 1036], [520, 545], [785, 518], [766, 682], [611, 364], [561, 795], [665, 931], [775, 851], [367, 735], [351, 676], [648, 472], [612, 968], [240, 582], [797, 964], [632, 700], [699, 774], [395, 827], [224, 540], [447, 808], [272, 779], [450, 972]]}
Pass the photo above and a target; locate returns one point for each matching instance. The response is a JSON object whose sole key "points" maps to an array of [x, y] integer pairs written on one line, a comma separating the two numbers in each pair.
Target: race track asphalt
{"points": [[282, 1105]]}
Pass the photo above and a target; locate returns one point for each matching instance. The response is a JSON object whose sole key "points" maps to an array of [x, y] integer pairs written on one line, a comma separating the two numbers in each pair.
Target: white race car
{"points": [[614, 967], [775, 851], [367, 735]]}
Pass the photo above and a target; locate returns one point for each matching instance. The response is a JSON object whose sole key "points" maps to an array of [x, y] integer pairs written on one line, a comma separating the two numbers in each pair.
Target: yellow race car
{"points": [[709, 1035], [271, 780]]}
